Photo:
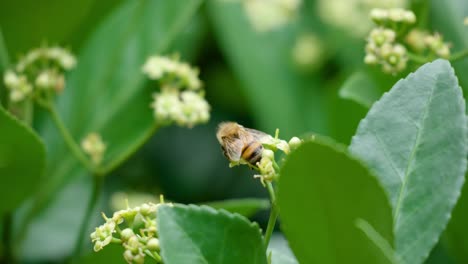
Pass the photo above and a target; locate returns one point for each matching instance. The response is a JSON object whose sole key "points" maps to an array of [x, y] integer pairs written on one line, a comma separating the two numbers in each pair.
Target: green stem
{"points": [[416, 58], [97, 186], [28, 112], [108, 168], [273, 214], [377, 239], [7, 255], [70, 142], [458, 56]]}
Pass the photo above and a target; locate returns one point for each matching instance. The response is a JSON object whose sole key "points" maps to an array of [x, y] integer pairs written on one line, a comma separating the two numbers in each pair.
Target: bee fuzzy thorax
{"points": [[240, 144]]}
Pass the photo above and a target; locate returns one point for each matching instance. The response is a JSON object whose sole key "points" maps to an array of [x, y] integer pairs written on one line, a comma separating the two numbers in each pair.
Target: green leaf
{"points": [[323, 194], [361, 88], [58, 20], [22, 162], [246, 207], [107, 93], [262, 62], [192, 234], [414, 140]]}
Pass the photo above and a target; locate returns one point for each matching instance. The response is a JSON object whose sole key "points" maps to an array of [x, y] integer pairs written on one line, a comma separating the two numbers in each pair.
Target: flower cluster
{"points": [[351, 15], [181, 99], [172, 72], [121, 229], [389, 17], [93, 145], [270, 15], [386, 43], [267, 166], [40, 71], [382, 49], [431, 44]]}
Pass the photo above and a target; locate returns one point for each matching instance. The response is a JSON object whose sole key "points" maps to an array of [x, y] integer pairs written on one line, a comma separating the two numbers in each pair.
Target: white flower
{"points": [[134, 251], [380, 36], [93, 145], [400, 15], [46, 80], [267, 15], [276, 143], [382, 49], [166, 105], [416, 39], [352, 15], [102, 236], [18, 86], [186, 108], [153, 244], [195, 109], [28, 59], [437, 45], [294, 143], [58, 54], [62, 56], [11, 79], [307, 50], [370, 59], [180, 75]]}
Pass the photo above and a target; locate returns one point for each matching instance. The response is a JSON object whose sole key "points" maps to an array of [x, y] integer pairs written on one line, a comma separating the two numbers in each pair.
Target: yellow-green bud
{"points": [[153, 244], [126, 234]]}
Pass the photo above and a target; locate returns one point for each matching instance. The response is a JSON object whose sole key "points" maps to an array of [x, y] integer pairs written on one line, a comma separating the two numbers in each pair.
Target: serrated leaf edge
{"points": [[462, 104]]}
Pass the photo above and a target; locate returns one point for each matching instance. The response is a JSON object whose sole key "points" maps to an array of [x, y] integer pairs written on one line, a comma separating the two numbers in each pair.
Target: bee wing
{"points": [[232, 148], [257, 135]]}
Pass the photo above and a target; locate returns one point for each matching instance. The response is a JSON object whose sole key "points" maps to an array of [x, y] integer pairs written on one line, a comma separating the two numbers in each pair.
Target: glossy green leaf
{"points": [[366, 86], [108, 93], [246, 207], [262, 62], [447, 18], [361, 88], [192, 234], [22, 162], [323, 193], [58, 20], [414, 140]]}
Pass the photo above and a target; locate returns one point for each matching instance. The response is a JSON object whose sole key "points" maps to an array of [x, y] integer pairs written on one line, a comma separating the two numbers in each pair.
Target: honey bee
{"points": [[240, 143]]}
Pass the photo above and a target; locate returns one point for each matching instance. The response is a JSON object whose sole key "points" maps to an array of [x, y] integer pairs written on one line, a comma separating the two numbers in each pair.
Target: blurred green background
{"points": [[250, 77]]}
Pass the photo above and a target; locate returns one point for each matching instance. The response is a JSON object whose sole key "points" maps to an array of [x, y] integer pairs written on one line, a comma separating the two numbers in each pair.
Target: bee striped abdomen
{"points": [[252, 152]]}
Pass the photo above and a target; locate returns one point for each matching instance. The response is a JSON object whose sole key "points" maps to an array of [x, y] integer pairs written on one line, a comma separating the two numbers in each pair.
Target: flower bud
{"points": [[267, 16], [94, 147], [161, 68], [126, 234], [370, 59], [307, 51], [153, 244], [11, 79], [268, 154], [294, 143]]}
